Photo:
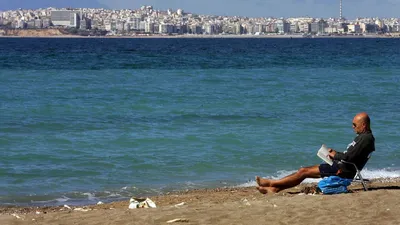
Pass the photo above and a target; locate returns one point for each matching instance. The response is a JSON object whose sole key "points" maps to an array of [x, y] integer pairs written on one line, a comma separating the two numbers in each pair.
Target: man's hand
{"points": [[332, 153]]}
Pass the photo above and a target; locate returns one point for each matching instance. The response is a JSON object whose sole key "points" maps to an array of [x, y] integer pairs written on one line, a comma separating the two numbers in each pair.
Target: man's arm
{"points": [[352, 152], [337, 155]]}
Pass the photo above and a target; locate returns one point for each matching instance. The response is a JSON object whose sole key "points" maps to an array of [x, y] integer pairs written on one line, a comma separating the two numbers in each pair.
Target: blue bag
{"points": [[334, 185]]}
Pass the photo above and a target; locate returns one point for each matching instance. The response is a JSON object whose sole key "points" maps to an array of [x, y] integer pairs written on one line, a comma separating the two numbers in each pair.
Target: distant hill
{"points": [[36, 4]]}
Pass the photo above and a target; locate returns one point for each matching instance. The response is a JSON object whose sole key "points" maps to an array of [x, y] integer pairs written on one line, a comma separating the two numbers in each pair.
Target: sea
{"points": [[84, 120]]}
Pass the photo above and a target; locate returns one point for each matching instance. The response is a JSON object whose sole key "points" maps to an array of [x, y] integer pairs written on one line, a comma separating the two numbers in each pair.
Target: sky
{"points": [[250, 8]]}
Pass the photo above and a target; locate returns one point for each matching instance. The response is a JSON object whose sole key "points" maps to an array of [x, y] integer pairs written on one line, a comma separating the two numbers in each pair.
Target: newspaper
{"points": [[323, 153]]}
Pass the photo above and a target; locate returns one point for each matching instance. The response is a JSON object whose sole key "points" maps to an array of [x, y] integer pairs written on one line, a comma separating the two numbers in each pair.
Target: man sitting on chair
{"points": [[357, 152]]}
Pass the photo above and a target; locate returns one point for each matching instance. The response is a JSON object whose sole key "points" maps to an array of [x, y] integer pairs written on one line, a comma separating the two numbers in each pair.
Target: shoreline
{"points": [[227, 206], [207, 36], [303, 187], [77, 202]]}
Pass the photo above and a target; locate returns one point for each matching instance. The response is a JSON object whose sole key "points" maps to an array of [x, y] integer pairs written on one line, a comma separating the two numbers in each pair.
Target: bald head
{"points": [[362, 123]]}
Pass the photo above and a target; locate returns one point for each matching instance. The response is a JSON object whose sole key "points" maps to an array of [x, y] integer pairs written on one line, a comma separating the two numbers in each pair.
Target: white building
{"points": [[66, 18], [354, 28], [149, 28], [179, 12], [165, 29]]}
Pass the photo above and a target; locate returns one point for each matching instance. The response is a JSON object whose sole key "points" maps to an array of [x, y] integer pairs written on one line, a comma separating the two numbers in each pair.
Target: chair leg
{"points": [[362, 181], [365, 186]]}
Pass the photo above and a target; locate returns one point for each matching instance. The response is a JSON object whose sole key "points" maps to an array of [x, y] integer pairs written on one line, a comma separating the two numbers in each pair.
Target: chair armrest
{"points": [[355, 166]]}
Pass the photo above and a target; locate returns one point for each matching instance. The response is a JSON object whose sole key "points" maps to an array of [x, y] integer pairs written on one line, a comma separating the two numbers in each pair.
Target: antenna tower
{"points": [[340, 14]]}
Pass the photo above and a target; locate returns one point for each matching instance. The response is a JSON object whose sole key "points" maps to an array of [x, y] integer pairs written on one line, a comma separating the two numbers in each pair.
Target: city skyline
{"points": [[249, 8]]}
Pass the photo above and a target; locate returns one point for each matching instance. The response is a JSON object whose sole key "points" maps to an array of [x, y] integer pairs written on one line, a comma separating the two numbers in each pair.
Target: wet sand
{"points": [[299, 205]]}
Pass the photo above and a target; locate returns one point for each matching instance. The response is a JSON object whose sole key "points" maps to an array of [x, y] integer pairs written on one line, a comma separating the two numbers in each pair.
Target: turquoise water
{"points": [[84, 120]]}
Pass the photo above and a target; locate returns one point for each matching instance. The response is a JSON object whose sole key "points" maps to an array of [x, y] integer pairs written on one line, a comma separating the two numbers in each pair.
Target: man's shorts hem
{"points": [[327, 170]]}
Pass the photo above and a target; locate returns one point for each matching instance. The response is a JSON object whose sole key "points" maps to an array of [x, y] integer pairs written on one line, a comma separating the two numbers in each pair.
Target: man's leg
{"points": [[266, 185]]}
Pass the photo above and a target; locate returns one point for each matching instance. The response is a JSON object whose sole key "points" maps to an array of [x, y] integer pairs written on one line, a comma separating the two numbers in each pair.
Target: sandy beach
{"points": [[298, 205]]}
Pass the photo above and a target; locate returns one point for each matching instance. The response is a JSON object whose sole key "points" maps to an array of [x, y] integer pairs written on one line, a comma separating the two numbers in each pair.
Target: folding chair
{"points": [[358, 177]]}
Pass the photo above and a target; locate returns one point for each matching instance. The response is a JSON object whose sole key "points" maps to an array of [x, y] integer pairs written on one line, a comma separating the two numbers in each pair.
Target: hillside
{"points": [[32, 32]]}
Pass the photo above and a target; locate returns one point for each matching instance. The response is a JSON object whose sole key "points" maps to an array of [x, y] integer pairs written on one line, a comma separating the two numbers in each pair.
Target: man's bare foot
{"points": [[266, 190], [263, 182]]}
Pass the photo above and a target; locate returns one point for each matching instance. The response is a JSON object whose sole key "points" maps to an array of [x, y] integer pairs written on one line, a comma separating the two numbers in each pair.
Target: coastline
{"points": [[55, 33], [231, 206], [210, 37]]}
